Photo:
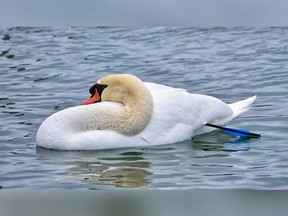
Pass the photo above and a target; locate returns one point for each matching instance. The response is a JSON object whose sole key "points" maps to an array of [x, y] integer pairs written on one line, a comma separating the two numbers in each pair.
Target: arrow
{"points": [[235, 131]]}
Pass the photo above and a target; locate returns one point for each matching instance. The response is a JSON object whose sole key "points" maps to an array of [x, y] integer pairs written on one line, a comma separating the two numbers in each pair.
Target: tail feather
{"points": [[240, 107]]}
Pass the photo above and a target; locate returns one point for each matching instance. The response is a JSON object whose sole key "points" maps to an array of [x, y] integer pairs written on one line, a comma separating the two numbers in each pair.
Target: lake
{"points": [[44, 70]]}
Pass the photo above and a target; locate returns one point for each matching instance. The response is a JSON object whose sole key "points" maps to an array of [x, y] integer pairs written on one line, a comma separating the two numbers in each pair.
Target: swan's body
{"points": [[150, 114]]}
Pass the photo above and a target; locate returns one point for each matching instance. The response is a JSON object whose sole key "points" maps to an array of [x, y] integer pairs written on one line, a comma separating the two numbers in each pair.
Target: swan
{"points": [[123, 111]]}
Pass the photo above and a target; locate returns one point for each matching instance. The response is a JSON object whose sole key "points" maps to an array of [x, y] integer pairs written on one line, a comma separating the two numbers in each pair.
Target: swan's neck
{"points": [[130, 119], [137, 110]]}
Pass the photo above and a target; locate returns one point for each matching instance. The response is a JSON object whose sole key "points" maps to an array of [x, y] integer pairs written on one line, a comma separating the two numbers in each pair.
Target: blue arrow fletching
{"points": [[238, 132]]}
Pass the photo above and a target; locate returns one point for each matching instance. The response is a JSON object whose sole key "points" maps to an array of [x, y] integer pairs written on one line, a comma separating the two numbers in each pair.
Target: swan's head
{"points": [[115, 87]]}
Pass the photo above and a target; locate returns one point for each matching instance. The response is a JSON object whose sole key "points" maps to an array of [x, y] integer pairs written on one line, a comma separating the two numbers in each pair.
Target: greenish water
{"points": [[44, 70]]}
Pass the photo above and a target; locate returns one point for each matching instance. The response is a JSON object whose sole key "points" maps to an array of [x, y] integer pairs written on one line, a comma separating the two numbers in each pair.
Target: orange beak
{"points": [[93, 99]]}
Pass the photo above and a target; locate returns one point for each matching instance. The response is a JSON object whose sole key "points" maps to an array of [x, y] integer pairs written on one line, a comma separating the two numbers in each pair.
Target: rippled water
{"points": [[44, 70]]}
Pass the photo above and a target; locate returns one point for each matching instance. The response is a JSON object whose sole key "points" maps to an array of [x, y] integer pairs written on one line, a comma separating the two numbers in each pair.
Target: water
{"points": [[44, 70]]}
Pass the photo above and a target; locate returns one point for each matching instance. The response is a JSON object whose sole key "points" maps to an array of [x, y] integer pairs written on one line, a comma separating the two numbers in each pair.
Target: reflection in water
{"points": [[183, 163], [130, 174], [221, 141], [122, 177], [107, 167]]}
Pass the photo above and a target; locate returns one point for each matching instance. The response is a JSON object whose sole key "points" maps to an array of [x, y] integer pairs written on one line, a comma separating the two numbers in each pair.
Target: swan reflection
{"points": [[139, 167], [110, 167]]}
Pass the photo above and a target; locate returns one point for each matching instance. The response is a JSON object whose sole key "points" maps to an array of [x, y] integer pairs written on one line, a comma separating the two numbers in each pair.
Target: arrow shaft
{"points": [[235, 130]]}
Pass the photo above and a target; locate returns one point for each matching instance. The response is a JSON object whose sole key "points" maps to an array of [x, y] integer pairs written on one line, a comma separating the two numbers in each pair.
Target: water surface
{"points": [[44, 70]]}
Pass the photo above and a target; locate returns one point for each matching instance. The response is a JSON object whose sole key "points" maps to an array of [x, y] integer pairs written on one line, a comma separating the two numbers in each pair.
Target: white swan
{"points": [[133, 113]]}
